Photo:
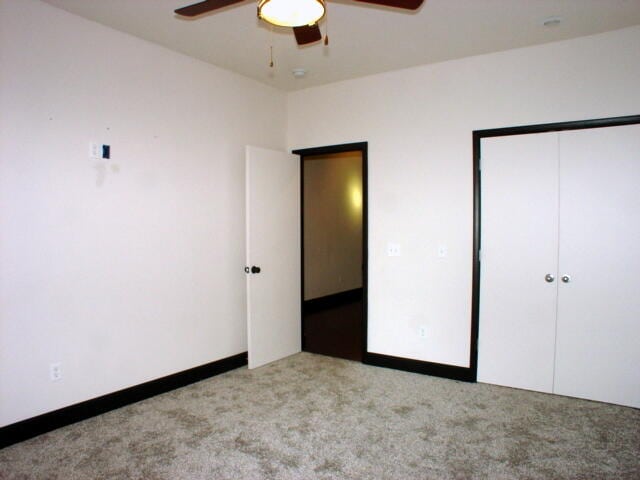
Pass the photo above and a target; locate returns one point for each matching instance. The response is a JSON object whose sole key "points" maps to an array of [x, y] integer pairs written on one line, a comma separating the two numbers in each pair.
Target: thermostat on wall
{"points": [[99, 151]]}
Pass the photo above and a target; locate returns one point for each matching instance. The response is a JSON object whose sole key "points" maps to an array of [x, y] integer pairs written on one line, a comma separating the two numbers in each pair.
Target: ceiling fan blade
{"points": [[406, 4], [204, 7], [307, 34]]}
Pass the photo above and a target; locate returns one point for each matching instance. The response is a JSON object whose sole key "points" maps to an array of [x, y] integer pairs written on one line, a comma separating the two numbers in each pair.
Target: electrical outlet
{"points": [[422, 331], [55, 371], [442, 251]]}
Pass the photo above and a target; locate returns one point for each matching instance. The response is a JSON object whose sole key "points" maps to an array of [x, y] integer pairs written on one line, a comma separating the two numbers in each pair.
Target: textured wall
{"points": [[418, 123], [128, 269]]}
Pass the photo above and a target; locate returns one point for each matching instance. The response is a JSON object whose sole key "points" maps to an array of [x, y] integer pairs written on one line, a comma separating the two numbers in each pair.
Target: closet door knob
{"points": [[549, 278], [566, 278]]}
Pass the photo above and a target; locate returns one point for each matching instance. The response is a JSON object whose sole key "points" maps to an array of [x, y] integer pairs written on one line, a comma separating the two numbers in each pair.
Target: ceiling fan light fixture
{"points": [[291, 13]]}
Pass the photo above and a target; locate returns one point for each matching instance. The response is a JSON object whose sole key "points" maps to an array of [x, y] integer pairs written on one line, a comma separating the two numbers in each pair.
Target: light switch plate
{"points": [[95, 150], [393, 249]]}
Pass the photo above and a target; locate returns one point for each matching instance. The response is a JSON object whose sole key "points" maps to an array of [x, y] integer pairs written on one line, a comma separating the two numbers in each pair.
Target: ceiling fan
{"points": [[301, 15]]}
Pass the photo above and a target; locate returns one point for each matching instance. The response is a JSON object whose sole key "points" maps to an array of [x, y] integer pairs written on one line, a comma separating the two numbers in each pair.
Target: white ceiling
{"points": [[363, 39]]}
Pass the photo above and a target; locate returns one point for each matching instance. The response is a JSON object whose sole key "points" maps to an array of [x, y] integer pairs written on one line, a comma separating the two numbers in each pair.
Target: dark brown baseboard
{"points": [[419, 366], [32, 427]]}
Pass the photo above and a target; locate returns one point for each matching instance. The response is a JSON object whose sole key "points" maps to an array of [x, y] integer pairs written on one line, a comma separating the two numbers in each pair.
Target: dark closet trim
{"points": [[361, 147], [32, 427], [478, 135]]}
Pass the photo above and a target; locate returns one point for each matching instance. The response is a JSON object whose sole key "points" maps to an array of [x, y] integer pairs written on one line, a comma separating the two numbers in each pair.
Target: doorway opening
{"points": [[334, 250]]}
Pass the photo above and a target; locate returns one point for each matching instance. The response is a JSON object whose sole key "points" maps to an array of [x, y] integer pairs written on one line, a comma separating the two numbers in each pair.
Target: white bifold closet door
{"points": [[598, 340], [560, 263], [519, 247]]}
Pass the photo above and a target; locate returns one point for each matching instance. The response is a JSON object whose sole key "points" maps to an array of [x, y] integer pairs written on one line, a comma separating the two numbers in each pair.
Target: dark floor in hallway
{"points": [[335, 331]]}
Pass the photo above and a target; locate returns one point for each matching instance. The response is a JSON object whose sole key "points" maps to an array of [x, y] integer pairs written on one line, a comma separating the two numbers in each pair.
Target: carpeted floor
{"points": [[310, 416]]}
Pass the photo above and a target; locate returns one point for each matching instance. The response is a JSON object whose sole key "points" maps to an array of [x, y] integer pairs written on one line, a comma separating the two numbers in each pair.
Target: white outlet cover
{"points": [[95, 150], [442, 251], [393, 249], [55, 371]]}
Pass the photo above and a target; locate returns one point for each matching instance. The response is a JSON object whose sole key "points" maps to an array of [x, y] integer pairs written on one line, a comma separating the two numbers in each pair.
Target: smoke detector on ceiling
{"points": [[552, 21], [299, 72]]}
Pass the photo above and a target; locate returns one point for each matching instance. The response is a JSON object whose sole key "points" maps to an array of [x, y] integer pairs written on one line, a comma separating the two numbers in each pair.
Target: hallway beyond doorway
{"points": [[335, 329]]}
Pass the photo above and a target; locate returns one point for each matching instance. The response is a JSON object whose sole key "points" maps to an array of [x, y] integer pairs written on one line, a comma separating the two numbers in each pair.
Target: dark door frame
{"points": [[478, 135], [361, 147]]}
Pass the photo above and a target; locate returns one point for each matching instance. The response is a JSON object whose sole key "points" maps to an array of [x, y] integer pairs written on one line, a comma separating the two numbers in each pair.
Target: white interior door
{"points": [[598, 341], [519, 214], [273, 245]]}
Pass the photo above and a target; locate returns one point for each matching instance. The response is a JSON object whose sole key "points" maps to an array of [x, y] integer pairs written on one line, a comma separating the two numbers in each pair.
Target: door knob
{"points": [[255, 269], [549, 278], [566, 278]]}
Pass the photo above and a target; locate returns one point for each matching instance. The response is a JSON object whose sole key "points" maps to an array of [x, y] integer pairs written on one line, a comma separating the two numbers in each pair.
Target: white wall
{"points": [[332, 224], [418, 123], [129, 269]]}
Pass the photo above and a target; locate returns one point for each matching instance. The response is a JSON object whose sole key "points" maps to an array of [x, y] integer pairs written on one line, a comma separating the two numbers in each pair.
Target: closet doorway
{"points": [[334, 253], [557, 274]]}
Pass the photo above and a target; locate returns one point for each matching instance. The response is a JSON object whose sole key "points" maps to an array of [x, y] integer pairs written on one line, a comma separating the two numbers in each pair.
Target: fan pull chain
{"points": [[326, 31], [271, 49]]}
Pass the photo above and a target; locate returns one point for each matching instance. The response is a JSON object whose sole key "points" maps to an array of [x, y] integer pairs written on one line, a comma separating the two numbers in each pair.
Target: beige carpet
{"points": [[310, 416]]}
